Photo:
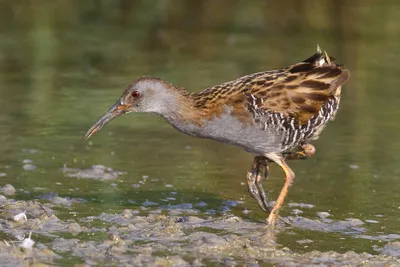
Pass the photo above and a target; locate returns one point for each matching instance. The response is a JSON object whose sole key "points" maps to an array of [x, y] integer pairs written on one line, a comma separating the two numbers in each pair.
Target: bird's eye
{"points": [[135, 94]]}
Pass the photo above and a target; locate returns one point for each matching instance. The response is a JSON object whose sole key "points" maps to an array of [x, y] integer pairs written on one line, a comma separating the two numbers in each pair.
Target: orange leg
{"points": [[289, 178], [260, 165]]}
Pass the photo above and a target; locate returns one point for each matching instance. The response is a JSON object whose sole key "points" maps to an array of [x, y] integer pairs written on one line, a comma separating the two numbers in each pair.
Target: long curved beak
{"points": [[116, 110]]}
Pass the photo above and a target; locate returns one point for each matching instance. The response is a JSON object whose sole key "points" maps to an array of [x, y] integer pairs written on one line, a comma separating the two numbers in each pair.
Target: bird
{"points": [[272, 114]]}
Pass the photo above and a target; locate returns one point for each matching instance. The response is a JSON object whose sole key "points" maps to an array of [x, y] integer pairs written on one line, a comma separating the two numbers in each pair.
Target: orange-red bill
{"points": [[116, 110]]}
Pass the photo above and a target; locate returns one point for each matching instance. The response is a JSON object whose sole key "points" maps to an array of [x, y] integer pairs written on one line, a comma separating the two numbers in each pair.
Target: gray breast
{"points": [[228, 129]]}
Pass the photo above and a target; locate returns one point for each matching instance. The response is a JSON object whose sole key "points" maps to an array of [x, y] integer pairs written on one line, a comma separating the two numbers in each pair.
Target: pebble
{"points": [[323, 214], [20, 217], [8, 190], [301, 205], [27, 243]]}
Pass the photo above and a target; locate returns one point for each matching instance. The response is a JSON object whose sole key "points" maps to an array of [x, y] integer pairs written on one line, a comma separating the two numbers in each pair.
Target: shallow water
{"points": [[64, 63]]}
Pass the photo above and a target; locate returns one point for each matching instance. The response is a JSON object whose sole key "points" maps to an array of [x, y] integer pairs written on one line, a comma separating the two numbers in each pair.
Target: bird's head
{"points": [[146, 94]]}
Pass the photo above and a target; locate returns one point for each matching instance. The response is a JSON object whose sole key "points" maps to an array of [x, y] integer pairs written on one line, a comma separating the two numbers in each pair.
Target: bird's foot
{"points": [[259, 169], [302, 152]]}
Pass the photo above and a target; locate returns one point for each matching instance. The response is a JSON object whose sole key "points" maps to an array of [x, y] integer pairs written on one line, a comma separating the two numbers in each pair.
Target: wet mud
{"points": [[32, 233]]}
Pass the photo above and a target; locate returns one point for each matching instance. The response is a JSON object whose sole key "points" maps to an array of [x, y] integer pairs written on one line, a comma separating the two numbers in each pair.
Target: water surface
{"points": [[63, 63]]}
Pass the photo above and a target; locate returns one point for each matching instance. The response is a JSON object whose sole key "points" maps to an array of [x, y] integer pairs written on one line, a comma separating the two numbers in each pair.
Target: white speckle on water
{"points": [[246, 211], [30, 151], [169, 185], [371, 221], [323, 214], [354, 167], [301, 205], [201, 204], [156, 211], [296, 211], [231, 203], [149, 203], [2, 174], [135, 185], [304, 241], [29, 167]]}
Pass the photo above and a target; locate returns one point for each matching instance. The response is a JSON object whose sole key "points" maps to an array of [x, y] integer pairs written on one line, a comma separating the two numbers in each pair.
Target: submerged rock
{"points": [[95, 172], [8, 190]]}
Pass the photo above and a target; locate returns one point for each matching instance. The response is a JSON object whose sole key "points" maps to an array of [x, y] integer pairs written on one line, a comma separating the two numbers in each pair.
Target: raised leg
{"points": [[253, 179], [301, 152], [289, 178]]}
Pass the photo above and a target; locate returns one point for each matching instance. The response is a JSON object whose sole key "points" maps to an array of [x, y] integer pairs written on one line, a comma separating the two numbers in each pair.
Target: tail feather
{"points": [[320, 58]]}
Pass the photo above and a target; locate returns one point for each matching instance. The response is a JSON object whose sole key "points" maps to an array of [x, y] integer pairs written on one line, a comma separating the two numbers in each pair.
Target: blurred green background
{"points": [[64, 62]]}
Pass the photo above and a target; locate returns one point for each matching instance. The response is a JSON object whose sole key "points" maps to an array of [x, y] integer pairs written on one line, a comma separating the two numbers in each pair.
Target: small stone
{"points": [[27, 243], [323, 214], [392, 249], [20, 217], [8, 190]]}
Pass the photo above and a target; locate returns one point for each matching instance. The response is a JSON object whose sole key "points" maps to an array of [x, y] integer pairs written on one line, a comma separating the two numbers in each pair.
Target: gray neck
{"points": [[166, 100]]}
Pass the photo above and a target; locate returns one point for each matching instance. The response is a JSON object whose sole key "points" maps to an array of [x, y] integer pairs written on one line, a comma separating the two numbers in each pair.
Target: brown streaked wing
{"points": [[303, 91]]}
